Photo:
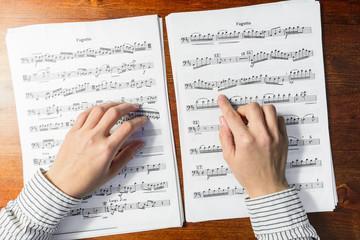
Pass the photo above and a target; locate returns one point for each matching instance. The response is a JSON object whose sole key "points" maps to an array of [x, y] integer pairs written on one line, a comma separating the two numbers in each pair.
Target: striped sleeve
{"points": [[280, 216], [36, 212]]}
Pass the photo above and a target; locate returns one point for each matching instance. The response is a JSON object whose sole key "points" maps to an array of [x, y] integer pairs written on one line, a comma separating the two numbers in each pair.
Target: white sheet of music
{"points": [[272, 54], [58, 71]]}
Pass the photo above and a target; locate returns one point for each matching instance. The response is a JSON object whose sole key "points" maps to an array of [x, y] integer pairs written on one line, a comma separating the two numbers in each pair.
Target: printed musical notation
{"points": [[52, 126], [293, 141], [45, 75], [150, 151], [289, 120], [151, 114], [88, 88], [309, 185], [125, 171], [49, 160], [144, 187], [239, 190], [68, 124], [119, 208], [269, 98], [46, 143], [224, 171], [219, 192], [224, 36], [93, 53], [144, 152], [253, 58], [294, 119], [304, 163], [144, 168], [211, 172], [294, 75], [85, 105]]}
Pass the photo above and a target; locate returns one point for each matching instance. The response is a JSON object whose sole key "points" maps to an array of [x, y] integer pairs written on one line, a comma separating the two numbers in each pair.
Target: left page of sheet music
{"points": [[60, 70]]}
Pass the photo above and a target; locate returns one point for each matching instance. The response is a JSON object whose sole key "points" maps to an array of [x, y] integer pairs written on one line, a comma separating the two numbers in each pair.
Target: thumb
{"points": [[226, 139], [126, 154]]}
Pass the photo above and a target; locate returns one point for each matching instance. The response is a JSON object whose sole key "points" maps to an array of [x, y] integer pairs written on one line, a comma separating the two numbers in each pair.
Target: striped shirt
{"points": [[280, 216], [36, 212], [40, 207]]}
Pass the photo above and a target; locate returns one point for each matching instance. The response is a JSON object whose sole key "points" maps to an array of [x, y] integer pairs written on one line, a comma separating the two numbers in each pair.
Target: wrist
{"points": [[52, 179], [260, 192]]}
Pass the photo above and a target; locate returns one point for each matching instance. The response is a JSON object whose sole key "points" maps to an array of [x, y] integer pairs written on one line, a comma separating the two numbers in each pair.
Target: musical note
{"points": [[45, 75], [219, 192], [294, 75], [289, 120], [50, 110], [119, 49], [123, 189], [87, 88], [249, 57], [237, 101], [293, 141], [118, 208], [304, 163], [224, 36]]}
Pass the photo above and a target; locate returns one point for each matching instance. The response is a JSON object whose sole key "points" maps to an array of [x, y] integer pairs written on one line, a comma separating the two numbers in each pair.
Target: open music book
{"points": [[269, 53]]}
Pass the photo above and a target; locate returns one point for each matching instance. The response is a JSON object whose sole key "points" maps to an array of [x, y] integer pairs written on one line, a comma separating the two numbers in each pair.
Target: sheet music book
{"points": [[58, 71], [270, 54]]}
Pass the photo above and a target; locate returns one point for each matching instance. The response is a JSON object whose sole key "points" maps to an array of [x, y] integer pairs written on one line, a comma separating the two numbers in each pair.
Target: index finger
{"points": [[231, 116]]}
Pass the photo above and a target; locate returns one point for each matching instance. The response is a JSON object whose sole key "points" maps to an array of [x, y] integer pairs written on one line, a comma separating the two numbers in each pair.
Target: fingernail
{"points": [[136, 105], [144, 118], [221, 120], [222, 97]]}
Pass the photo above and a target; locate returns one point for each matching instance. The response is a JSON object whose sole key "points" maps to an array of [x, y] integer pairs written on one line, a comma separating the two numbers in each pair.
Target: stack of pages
{"points": [[60, 70], [270, 53]]}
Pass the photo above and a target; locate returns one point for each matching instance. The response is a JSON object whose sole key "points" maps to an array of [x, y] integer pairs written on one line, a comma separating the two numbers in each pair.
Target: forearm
{"points": [[36, 212], [280, 216]]}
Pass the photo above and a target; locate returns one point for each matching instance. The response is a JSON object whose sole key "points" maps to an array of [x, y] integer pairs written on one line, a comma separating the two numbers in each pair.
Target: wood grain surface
{"points": [[341, 44]]}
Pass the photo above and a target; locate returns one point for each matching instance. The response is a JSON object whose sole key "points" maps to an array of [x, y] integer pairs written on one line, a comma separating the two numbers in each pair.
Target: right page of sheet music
{"points": [[271, 54]]}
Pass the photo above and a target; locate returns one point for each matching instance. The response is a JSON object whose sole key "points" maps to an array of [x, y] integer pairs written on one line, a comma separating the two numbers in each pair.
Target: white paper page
{"points": [[58, 71], [272, 54], [181, 209]]}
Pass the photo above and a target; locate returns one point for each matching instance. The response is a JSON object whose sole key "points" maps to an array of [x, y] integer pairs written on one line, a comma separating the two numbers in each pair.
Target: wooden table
{"points": [[341, 43]]}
